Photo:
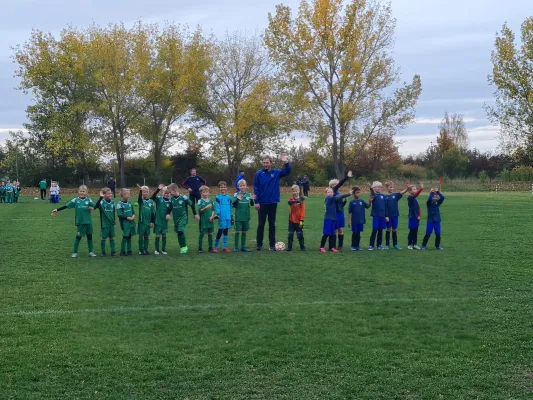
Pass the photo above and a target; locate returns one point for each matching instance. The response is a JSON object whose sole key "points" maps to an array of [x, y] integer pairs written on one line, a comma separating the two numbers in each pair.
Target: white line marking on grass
{"points": [[189, 307]]}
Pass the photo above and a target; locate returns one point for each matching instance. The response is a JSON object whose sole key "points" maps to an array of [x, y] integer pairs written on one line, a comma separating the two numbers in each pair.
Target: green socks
{"points": [[123, 245], [210, 241], [128, 243], [237, 240], [164, 240], [76, 244], [243, 239], [182, 241], [90, 246], [146, 242], [112, 243], [102, 245], [200, 241], [141, 244], [157, 239]]}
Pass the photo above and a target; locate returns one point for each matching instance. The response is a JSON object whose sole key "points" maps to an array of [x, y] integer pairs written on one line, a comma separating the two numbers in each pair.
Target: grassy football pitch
{"points": [[403, 324]]}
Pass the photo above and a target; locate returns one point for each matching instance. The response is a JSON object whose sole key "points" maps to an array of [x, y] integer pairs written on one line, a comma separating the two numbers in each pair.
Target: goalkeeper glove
{"points": [[301, 224]]}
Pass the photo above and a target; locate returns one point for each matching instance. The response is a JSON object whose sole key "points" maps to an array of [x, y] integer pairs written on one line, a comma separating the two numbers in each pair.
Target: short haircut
{"points": [[356, 189], [173, 186], [82, 187], [333, 182], [123, 191], [166, 189], [143, 188], [106, 190], [204, 187], [376, 183], [295, 187], [192, 169], [243, 182], [267, 158], [222, 183], [389, 183]]}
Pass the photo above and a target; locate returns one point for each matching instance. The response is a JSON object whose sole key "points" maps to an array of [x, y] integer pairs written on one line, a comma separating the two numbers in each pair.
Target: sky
{"points": [[448, 43]]}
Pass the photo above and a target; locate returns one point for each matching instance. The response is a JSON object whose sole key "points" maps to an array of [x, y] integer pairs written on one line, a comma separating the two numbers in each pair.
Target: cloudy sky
{"points": [[447, 42]]}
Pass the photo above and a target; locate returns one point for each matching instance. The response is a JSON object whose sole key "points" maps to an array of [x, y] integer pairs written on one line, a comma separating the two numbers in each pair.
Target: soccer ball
{"points": [[280, 246]]}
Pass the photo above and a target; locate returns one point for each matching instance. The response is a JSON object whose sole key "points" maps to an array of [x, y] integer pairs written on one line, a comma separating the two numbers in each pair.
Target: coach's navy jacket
{"points": [[266, 184], [194, 183]]}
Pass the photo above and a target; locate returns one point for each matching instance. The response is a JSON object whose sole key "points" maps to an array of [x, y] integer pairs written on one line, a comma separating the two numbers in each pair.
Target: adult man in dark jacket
{"points": [[305, 185], [193, 184], [111, 184], [267, 197]]}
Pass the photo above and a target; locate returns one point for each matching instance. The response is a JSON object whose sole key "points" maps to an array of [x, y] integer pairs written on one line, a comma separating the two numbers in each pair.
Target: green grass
{"points": [[372, 325]]}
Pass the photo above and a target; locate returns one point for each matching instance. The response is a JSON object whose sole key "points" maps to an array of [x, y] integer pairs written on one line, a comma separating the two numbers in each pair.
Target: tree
{"points": [[512, 75], [56, 73], [117, 105], [173, 67], [453, 163], [380, 153], [243, 107], [452, 132], [337, 58]]}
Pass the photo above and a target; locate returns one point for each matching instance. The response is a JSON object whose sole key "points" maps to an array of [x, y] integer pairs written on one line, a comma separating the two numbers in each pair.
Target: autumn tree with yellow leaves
{"points": [[337, 59]]}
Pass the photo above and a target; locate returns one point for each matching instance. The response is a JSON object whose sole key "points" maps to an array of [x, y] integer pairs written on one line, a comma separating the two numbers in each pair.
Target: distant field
{"points": [[373, 325]]}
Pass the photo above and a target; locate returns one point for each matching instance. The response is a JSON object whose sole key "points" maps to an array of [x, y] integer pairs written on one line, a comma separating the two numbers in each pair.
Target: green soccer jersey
{"points": [[163, 207], [125, 210], [82, 213], [204, 217], [146, 211], [180, 211], [42, 185], [107, 213], [242, 207]]}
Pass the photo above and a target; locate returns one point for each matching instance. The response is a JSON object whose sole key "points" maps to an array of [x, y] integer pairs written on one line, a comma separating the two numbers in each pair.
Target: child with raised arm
{"points": [[414, 216], [126, 216], [82, 206], [163, 209], [335, 184], [296, 218], [146, 218], [223, 203], [393, 214], [107, 220], [242, 201], [379, 215], [206, 209], [180, 204], [357, 218], [330, 220], [436, 198]]}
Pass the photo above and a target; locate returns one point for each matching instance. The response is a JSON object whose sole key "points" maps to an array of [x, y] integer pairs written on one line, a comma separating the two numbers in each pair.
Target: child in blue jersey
{"points": [[356, 217], [393, 214], [414, 216], [223, 208], [335, 184], [379, 214], [330, 220], [436, 198]]}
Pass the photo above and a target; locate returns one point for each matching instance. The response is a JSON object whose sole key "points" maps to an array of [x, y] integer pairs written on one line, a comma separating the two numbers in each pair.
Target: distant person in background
{"points": [[111, 184], [193, 184], [305, 185], [240, 177], [54, 192], [42, 187]]}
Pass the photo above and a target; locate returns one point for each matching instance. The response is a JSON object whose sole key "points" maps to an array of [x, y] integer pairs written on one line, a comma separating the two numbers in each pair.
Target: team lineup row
{"points": [[9, 192], [167, 203]]}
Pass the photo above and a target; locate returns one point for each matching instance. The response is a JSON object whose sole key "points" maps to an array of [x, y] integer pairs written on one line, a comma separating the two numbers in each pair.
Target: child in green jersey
{"points": [[2, 192], [107, 220], [82, 207], [180, 215], [164, 207], [126, 216], [206, 209], [146, 218], [242, 201]]}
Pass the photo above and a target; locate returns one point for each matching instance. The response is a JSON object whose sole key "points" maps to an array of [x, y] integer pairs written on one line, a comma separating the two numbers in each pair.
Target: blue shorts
{"points": [[330, 227], [379, 223], [430, 226], [413, 223], [340, 220], [224, 223], [393, 223], [358, 228]]}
